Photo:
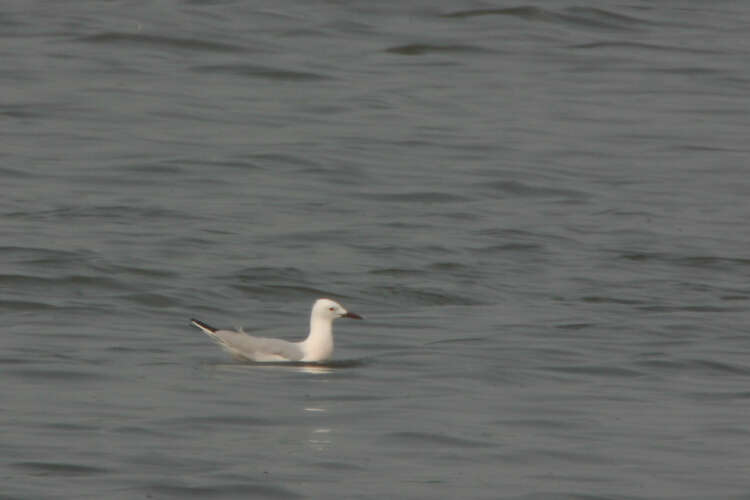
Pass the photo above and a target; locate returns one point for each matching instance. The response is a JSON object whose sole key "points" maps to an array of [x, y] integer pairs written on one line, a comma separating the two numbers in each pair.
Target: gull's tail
{"points": [[210, 330]]}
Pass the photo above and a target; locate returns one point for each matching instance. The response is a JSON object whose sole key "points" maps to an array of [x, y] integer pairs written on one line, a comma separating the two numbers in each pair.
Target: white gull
{"points": [[318, 346]]}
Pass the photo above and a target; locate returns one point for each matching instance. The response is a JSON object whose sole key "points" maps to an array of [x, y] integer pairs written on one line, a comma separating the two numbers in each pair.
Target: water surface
{"points": [[541, 209]]}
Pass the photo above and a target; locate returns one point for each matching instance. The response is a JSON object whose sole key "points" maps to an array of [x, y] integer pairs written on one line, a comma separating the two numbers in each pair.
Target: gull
{"points": [[318, 346]]}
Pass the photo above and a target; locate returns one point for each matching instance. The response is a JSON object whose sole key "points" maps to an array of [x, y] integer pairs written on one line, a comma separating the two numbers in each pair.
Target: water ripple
{"points": [[223, 490], [270, 292], [59, 375], [20, 280], [425, 197], [422, 297], [38, 255], [58, 469], [154, 300], [705, 367], [435, 440], [105, 212], [629, 46], [262, 72], [160, 41], [417, 49], [574, 16], [693, 261], [521, 189], [600, 370], [523, 12], [24, 305]]}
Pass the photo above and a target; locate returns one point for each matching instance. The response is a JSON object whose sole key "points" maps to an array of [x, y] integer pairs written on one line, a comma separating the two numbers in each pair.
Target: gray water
{"points": [[541, 210]]}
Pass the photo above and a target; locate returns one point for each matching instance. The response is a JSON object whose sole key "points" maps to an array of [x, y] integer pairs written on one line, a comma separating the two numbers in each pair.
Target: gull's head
{"points": [[330, 309]]}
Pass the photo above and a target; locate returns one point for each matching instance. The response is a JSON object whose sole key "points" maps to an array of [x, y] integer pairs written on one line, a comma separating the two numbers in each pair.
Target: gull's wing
{"points": [[244, 346]]}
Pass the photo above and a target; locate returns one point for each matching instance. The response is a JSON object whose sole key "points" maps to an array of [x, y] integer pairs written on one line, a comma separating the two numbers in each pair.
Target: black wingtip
{"points": [[201, 324]]}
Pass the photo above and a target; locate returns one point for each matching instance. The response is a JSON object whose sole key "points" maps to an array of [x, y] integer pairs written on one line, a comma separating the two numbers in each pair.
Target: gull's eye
{"points": [[331, 308]]}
